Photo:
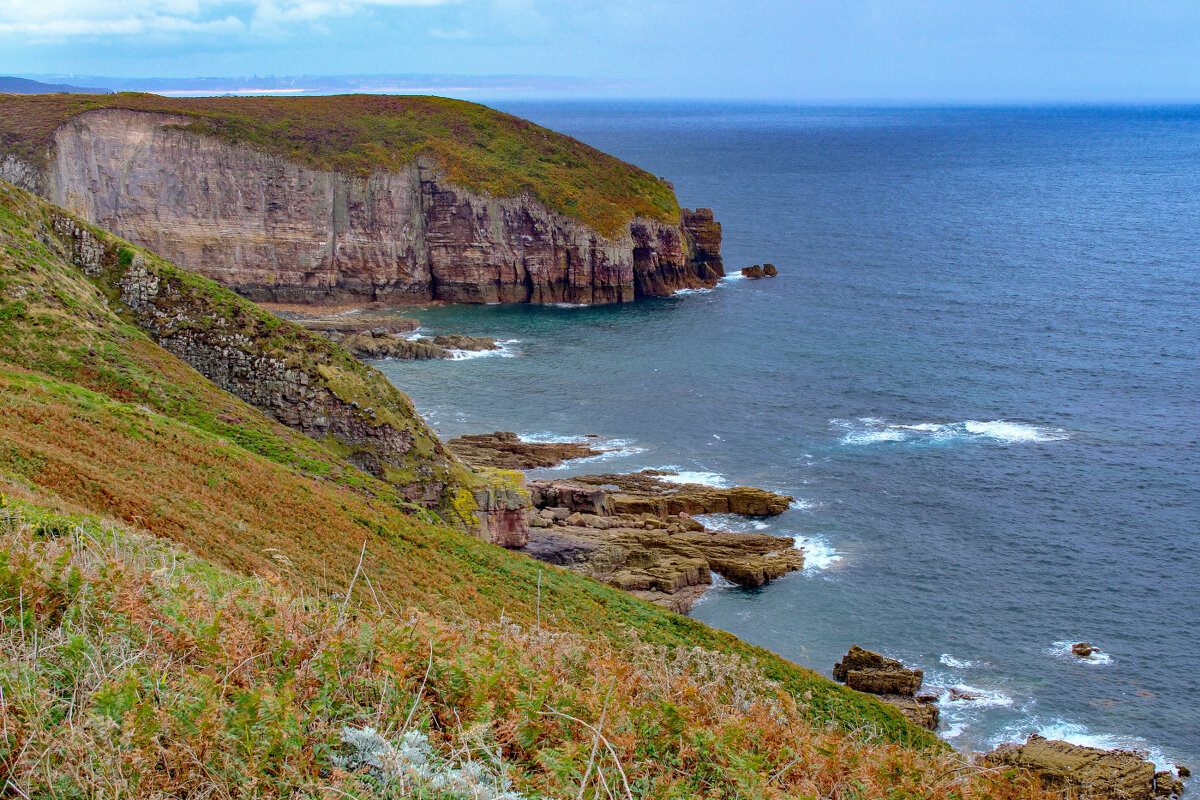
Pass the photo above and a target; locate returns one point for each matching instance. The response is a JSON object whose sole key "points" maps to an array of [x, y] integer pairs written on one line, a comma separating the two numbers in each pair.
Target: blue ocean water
{"points": [[978, 373]]}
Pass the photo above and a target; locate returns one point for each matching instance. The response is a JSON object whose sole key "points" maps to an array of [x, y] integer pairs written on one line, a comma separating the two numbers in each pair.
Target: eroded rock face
{"points": [[646, 492], [1088, 771], [891, 682], [505, 450], [276, 230]]}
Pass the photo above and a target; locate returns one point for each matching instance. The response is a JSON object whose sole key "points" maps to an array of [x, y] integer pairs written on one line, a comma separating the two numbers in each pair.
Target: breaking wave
{"points": [[871, 430]]}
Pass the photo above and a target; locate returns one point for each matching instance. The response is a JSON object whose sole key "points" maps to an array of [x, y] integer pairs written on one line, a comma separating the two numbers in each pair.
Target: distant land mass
{"points": [[12, 85], [342, 84]]}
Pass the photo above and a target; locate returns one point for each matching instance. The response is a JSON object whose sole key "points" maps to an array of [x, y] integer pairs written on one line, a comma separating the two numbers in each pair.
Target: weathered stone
{"points": [[753, 272], [587, 499], [503, 505], [1083, 649], [1088, 772], [873, 673], [505, 450], [646, 493], [459, 342], [919, 711], [276, 229]]}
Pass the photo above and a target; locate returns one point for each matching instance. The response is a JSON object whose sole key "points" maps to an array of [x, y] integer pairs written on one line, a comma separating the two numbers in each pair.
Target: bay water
{"points": [[978, 374]]}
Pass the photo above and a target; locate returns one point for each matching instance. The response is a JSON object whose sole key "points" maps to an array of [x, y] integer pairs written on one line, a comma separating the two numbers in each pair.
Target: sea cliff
{"points": [[278, 224]]}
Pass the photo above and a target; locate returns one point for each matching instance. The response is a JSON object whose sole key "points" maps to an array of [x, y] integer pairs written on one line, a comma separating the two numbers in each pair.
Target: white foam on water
{"points": [[804, 505], [1075, 733], [732, 522], [1062, 651], [713, 479], [818, 553], [958, 663], [872, 430], [553, 438], [613, 448], [502, 352], [972, 697], [736, 276], [682, 292]]}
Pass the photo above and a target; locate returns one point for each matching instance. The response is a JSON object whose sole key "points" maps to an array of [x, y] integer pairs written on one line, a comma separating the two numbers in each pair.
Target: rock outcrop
{"points": [[506, 450], [646, 492], [275, 229], [1088, 772], [756, 271], [662, 556], [295, 377], [890, 681]]}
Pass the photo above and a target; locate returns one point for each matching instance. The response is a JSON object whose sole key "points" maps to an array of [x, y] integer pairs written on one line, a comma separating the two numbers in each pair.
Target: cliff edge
{"points": [[361, 198]]}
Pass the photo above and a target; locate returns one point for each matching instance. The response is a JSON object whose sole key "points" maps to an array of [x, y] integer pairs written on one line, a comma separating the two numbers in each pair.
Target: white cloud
{"points": [[75, 18]]}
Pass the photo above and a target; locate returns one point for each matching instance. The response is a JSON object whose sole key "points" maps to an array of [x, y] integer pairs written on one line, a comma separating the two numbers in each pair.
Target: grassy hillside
{"points": [[196, 600], [475, 147]]}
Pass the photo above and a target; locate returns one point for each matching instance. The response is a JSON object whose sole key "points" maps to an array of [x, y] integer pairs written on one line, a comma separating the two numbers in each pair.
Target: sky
{"points": [[789, 50]]}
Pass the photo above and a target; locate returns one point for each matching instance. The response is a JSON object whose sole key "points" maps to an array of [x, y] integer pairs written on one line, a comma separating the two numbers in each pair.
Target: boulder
{"points": [[754, 272], [873, 673], [769, 270], [460, 342], [920, 711], [1084, 649], [587, 499], [1087, 772]]}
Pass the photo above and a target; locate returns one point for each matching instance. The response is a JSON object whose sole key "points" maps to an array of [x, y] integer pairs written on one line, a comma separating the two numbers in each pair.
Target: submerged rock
{"points": [[1088, 771]]}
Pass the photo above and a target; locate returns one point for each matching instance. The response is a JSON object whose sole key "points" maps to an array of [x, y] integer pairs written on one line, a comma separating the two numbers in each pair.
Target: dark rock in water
{"points": [[1088, 772], [1183, 771], [646, 493], [1084, 649], [505, 450], [873, 673], [374, 346], [460, 342], [755, 272]]}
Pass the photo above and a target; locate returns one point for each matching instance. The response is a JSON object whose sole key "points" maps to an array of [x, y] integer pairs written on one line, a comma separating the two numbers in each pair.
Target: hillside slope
{"points": [[303, 595], [360, 197]]}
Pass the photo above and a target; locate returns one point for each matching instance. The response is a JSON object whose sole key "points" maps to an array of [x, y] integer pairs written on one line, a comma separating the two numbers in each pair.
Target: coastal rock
{"points": [[672, 569], [1084, 649], [278, 230], [891, 682], [586, 499], [873, 673], [503, 509], [460, 342], [756, 271], [1088, 772], [375, 347], [646, 493], [351, 323], [506, 450]]}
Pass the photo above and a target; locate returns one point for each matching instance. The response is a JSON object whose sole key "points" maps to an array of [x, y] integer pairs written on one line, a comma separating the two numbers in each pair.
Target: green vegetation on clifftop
{"points": [[299, 596], [476, 147]]}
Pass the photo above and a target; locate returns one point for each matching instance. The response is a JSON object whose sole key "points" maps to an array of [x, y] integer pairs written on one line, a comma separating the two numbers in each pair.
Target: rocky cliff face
{"points": [[297, 378], [273, 229]]}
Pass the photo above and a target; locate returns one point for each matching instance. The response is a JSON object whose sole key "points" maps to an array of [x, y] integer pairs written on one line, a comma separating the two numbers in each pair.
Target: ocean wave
{"points": [[871, 430], [732, 522], [818, 553], [502, 352], [1075, 733], [958, 663], [1062, 651], [613, 448], [736, 276], [682, 292], [713, 479], [569, 305]]}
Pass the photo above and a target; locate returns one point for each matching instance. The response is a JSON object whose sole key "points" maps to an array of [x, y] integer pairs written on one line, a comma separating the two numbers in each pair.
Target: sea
{"points": [[977, 373]]}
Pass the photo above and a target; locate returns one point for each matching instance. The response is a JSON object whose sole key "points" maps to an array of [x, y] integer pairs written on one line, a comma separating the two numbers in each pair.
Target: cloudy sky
{"points": [[808, 50]]}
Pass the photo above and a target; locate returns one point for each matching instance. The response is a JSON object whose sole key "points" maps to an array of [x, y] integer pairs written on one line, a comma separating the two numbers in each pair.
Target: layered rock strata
{"points": [[506, 450], [380, 344], [890, 681], [295, 377], [1088, 772], [646, 492], [275, 229]]}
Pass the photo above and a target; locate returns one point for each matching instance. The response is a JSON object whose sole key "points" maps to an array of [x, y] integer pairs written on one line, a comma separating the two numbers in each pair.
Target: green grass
{"points": [[196, 600], [476, 147]]}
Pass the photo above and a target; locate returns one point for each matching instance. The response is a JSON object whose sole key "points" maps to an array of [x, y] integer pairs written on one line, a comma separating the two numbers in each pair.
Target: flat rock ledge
{"points": [[506, 450], [890, 681], [1088, 772]]}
